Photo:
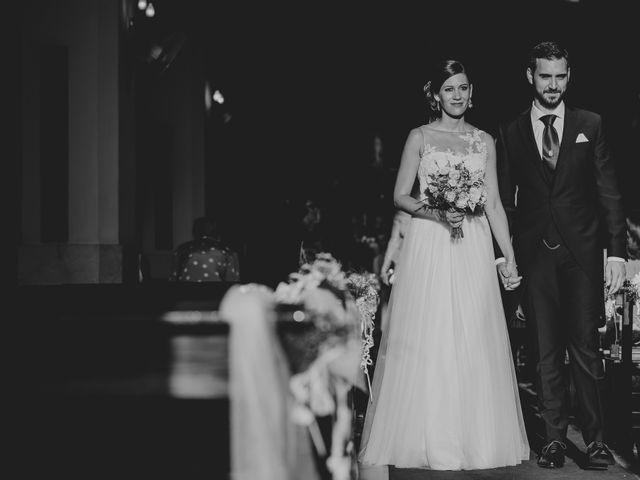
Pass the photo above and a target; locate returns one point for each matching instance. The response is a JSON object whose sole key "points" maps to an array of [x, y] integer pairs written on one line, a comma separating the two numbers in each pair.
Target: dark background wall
{"points": [[306, 88], [309, 85]]}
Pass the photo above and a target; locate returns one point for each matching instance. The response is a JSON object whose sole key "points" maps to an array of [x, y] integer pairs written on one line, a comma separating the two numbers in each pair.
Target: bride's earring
{"points": [[470, 103], [439, 107]]}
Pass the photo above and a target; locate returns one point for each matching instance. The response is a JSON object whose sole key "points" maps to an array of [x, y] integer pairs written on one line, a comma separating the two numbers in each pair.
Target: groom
{"points": [[558, 187]]}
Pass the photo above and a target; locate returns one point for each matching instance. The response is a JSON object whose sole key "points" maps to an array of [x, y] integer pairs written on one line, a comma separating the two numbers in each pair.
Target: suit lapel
{"points": [[526, 131]]}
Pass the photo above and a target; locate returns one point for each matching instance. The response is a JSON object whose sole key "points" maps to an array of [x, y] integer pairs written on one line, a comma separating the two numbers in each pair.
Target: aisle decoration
{"points": [[340, 310], [613, 311], [365, 288], [630, 287], [265, 443]]}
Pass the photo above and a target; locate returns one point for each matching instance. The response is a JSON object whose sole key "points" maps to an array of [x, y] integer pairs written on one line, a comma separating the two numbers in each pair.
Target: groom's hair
{"points": [[550, 50]]}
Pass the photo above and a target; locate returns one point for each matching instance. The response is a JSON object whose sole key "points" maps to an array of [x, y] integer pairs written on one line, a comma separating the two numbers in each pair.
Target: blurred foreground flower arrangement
{"points": [[339, 310], [631, 288], [614, 311]]}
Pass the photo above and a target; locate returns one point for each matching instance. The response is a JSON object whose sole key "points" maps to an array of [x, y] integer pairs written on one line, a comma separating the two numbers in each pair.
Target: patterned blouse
{"points": [[205, 260]]}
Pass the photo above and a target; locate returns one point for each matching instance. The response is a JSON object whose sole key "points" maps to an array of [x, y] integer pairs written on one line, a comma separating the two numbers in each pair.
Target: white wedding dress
{"points": [[445, 395]]}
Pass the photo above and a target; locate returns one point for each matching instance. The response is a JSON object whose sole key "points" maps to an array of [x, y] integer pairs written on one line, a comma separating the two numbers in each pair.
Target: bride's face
{"points": [[454, 95]]}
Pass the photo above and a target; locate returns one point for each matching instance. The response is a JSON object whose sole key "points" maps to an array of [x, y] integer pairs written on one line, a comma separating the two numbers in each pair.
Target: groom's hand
{"points": [[614, 275]]}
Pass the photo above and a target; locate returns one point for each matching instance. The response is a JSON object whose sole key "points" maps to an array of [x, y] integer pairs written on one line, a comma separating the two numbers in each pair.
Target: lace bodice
{"points": [[441, 148]]}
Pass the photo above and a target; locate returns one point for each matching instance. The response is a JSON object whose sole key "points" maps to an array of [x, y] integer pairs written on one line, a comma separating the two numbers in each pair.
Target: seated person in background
{"points": [[205, 258]]}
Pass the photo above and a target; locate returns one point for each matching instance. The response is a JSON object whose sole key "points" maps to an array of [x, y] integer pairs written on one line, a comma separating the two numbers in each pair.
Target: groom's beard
{"points": [[549, 103]]}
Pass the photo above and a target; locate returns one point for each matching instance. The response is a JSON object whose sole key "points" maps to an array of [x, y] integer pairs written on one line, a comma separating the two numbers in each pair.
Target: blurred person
{"points": [[445, 395], [392, 252], [312, 236], [390, 261], [205, 258]]}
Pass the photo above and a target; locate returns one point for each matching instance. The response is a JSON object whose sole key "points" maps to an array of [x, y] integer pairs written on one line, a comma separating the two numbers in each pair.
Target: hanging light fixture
{"points": [[150, 11], [142, 4], [217, 97]]}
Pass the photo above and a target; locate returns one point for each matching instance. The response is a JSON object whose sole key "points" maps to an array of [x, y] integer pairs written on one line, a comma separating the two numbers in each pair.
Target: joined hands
{"points": [[509, 275]]}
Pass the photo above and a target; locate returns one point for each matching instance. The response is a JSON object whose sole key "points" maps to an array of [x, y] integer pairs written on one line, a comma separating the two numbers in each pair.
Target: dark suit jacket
{"points": [[582, 198]]}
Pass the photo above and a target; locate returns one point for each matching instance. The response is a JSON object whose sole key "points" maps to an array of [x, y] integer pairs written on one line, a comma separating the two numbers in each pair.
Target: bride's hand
{"points": [[386, 272], [453, 217]]}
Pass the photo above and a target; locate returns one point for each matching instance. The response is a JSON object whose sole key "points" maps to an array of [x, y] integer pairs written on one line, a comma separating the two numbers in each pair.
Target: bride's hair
{"points": [[441, 71]]}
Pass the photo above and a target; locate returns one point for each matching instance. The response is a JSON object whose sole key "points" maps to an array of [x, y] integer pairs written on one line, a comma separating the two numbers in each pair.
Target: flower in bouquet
{"points": [[455, 185]]}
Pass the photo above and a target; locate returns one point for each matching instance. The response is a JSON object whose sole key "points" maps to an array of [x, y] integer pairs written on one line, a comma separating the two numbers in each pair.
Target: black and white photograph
{"points": [[322, 241]]}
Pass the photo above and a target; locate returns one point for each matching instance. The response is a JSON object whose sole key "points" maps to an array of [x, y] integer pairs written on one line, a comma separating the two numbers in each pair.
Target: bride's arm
{"points": [[407, 172], [494, 209]]}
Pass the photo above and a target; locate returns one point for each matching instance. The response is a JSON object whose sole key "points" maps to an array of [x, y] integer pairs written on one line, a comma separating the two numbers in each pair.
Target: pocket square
{"points": [[581, 138]]}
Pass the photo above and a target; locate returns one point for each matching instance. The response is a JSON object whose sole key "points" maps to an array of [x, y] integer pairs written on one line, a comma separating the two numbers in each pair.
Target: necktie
{"points": [[550, 143]]}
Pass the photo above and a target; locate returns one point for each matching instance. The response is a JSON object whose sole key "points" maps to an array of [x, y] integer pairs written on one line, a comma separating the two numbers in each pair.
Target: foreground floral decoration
{"points": [[631, 290], [365, 288], [325, 273], [341, 309]]}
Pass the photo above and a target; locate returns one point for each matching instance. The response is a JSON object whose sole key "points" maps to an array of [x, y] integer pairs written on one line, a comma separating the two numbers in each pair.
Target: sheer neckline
{"points": [[458, 132]]}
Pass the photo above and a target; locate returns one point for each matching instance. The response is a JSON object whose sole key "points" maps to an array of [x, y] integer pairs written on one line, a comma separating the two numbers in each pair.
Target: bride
{"points": [[445, 395]]}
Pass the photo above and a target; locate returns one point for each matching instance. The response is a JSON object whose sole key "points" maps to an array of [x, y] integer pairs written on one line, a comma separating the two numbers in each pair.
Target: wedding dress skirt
{"points": [[445, 394]]}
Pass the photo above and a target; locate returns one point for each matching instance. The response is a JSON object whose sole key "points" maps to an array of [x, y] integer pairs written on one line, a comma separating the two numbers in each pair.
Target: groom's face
{"points": [[549, 80]]}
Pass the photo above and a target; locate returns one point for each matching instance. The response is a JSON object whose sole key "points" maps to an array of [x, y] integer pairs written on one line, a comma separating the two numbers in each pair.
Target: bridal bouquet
{"points": [[455, 185]]}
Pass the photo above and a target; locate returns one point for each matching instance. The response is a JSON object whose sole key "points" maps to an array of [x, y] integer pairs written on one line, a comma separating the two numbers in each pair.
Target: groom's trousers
{"points": [[563, 314]]}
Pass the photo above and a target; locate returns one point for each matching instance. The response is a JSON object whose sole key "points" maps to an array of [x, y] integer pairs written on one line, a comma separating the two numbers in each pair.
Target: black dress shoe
{"points": [[552, 455], [599, 456]]}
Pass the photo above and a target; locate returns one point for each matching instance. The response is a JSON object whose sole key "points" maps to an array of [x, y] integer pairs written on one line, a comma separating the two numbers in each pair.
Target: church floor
{"points": [[528, 470]]}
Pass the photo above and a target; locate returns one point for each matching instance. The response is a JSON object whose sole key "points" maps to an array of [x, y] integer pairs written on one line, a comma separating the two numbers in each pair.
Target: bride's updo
{"points": [[441, 71]]}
